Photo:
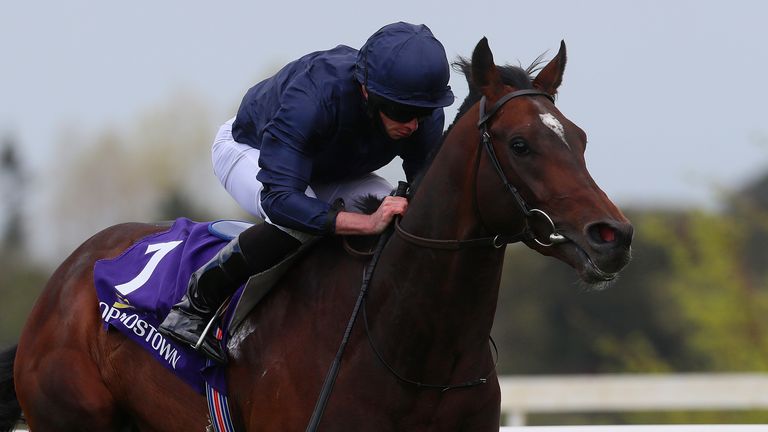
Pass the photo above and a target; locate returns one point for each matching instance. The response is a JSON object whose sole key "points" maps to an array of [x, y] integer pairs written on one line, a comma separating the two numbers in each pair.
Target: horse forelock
{"points": [[514, 76]]}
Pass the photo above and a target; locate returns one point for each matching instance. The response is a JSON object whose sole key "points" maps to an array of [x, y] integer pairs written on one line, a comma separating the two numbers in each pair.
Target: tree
{"points": [[12, 187], [20, 279], [157, 168], [690, 301]]}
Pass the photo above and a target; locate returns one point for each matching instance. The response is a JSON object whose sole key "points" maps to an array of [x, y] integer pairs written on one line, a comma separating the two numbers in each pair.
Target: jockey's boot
{"points": [[255, 250]]}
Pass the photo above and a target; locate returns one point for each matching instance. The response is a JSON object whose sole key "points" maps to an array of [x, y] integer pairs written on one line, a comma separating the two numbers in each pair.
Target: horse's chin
{"points": [[591, 276]]}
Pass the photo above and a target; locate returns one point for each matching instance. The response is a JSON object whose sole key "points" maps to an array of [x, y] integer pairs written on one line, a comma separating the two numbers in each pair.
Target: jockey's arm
{"points": [[361, 224]]}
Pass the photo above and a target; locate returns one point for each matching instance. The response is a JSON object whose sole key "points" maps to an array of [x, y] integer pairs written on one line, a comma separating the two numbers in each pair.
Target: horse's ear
{"points": [[484, 73], [550, 78]]}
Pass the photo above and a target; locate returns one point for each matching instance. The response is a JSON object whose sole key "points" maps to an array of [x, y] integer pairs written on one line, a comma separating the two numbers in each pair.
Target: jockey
{"points": [[308, 136]]}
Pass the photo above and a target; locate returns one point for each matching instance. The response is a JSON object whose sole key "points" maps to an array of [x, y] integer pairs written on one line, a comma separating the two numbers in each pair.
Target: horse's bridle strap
{"points": [[497, 241], [486, 115], [485, 138]]}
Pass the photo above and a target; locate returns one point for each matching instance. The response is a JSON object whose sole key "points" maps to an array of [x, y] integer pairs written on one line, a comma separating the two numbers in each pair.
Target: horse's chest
{"points": [[474, 410]]}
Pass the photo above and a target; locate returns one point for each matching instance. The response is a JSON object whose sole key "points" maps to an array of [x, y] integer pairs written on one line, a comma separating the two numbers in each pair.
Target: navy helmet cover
{"points": [[406, 64]]}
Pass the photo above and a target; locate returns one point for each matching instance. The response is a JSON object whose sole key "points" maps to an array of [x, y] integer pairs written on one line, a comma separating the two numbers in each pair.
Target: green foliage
{"points": [[12, 189], [694, 299], [156, 168], [724, 306], [689, 302], [20, 284], [630, 327]]}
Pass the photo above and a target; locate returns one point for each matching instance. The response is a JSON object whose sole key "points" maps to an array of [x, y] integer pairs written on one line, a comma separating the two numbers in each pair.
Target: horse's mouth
{"points": [[596, 272], [589, 272]]}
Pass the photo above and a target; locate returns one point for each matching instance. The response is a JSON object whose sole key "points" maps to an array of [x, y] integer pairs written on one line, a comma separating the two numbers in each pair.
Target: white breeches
{"points": [[236, 165]]}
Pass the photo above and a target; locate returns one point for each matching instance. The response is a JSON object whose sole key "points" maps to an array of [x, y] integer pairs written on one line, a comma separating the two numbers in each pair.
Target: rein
{"points": [[442, 387], [496, 241], [333, 370]]}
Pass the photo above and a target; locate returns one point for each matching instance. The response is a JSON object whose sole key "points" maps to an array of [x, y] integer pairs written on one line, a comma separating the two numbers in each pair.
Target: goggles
{"points": [[398, 112]]}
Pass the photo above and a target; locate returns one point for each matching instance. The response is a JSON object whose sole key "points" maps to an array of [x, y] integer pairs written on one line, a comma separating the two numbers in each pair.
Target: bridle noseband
{"points": [[529, 213]]}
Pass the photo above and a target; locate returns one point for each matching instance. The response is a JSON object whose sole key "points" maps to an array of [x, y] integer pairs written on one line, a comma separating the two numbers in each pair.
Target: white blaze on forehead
{"points": [[553, 123]]}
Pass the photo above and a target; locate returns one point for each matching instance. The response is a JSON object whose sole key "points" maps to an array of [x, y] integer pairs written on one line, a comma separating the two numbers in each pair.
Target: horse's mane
{"points": [[514, 76]]}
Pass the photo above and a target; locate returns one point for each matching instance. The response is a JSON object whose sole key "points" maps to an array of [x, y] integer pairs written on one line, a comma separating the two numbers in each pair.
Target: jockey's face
{"points": [[397, 130], [399, 121]]}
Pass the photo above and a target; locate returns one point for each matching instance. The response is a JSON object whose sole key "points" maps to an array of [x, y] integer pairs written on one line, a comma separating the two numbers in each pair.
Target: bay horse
{"points": [[421, 361]]}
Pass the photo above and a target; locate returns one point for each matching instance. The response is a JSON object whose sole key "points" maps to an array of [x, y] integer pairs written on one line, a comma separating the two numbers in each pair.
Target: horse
{"points": [[510, 168]]}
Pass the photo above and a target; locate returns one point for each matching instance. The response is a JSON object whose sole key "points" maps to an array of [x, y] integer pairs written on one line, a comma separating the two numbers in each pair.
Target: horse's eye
{"points": [[520, 147]]}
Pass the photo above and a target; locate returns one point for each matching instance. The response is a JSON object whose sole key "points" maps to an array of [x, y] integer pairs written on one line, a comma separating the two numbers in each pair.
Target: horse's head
{"points": [[541, 154]]}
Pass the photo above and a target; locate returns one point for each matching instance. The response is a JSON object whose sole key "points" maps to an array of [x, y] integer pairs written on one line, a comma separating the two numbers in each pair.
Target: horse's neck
{"points": [[448, 296], [444, 206]]}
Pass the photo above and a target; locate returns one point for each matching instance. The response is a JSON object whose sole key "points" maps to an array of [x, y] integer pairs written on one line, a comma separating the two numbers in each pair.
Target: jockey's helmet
{"points": [[404, 63]]}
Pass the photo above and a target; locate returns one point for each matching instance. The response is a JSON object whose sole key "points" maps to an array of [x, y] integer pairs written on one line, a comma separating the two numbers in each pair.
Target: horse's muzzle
{"points": [[610, 245]]}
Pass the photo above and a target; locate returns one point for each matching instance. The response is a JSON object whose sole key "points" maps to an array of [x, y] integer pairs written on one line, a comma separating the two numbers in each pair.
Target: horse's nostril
{"points": [[601, 233], [608, 234]]}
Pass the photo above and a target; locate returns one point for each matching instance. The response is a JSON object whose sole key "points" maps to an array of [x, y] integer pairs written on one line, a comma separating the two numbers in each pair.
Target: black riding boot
{"points": [[255, 250]]}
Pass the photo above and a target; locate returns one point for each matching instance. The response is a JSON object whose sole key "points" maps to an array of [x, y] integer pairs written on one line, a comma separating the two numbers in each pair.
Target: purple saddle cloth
{"points": [[137, 289]]}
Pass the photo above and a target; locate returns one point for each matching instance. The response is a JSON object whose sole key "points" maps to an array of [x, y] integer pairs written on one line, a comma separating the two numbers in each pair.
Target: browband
{"points": [[484, 116]]}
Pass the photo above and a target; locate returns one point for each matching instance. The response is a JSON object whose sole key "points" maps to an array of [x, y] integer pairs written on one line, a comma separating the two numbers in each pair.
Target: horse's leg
{"points": [[157, 400], [64, 353], [58, 379]]}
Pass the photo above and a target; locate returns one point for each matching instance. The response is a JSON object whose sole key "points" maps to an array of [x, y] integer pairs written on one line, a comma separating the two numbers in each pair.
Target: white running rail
{"points": [[644, 428], [522, 395]]}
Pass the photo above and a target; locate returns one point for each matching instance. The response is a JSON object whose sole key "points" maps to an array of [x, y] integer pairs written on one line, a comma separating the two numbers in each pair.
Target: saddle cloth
{"points": [[137, 289]]}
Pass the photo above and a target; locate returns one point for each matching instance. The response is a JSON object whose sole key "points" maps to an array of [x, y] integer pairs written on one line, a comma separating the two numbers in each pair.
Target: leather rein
{"points": [[497, 241]]}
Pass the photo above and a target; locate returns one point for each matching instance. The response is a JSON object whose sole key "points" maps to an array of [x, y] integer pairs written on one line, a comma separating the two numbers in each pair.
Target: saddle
{"points": [[258, 285]]}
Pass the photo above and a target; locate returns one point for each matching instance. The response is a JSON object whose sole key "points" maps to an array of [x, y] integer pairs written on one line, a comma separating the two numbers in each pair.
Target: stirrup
{"points": [[219, 313]]}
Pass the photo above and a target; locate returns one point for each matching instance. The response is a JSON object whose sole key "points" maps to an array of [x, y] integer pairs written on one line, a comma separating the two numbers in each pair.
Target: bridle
{"points": [[529, 213]]}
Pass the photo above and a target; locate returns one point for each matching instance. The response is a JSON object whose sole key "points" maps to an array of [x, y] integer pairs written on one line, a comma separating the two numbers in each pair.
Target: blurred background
{"points": [[108, 109]]}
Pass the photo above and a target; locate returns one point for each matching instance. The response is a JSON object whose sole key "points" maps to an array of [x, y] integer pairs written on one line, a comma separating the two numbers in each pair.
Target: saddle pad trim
{"points": [[218, 408], [227, 229]]}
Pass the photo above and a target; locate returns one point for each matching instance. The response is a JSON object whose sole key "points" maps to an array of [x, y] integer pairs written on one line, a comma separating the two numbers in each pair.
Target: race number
{"points": [[160, 250]]}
